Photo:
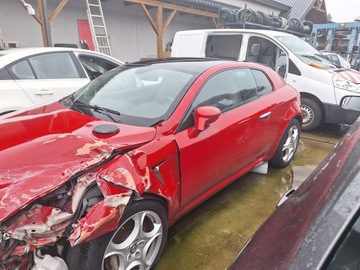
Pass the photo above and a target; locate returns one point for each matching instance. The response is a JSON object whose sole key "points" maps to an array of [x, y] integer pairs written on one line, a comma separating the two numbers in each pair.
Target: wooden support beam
{"points": [[42, 23], [40, 18], [57, 11], [159, 26], [147, 13], [160, 33], [169, 19], [36, 17], [319, 5], [193, 11]]}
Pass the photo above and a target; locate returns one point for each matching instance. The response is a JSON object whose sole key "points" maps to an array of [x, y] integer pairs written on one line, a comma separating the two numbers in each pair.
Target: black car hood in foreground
{"points": [[302, 232]]}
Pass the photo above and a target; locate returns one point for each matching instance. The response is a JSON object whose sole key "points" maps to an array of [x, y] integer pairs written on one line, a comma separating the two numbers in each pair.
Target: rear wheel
{"points": [[287, 146], [312, 114], [136, 244]]}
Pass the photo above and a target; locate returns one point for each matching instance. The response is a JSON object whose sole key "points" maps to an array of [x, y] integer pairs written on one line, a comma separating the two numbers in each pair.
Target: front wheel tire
{"points": [[287, 146], [136, 244], [312, 114]]}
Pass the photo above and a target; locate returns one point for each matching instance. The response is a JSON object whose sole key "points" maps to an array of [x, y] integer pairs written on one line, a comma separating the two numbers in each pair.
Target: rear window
{"points": [[5, 75], [223, 46]]}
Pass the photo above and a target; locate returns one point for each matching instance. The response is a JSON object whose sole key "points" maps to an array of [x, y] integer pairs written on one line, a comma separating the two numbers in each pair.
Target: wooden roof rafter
{"points": [[158, 23]]}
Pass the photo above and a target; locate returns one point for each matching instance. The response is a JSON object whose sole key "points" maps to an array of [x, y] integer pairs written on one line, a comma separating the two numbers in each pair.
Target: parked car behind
{"points": [[32, 76], [337, 59], [100, 175], [318, 226]]}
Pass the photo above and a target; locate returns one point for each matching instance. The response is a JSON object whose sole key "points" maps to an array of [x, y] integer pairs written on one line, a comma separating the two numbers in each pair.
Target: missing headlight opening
{"points": [[48, 222]]}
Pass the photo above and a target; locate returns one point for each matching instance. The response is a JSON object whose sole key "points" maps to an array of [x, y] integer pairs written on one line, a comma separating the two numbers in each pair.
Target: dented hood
{"points": [[41, 151]]}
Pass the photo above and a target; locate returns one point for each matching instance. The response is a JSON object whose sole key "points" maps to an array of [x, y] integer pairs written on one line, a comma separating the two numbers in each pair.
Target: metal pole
{"points": [[47, 25], [244, 18]]}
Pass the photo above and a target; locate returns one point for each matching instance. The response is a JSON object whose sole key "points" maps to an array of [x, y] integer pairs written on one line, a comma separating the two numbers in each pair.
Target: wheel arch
{"points": [[298, 118], [151, 196], [316, 99]]}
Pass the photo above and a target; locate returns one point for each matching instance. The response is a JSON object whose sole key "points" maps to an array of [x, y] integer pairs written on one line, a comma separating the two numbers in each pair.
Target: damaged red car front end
{"points": [[47, 173], [93, 181]]}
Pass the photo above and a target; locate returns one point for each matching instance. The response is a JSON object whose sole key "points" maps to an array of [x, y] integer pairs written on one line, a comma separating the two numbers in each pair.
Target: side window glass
{"points": [[54, 66], [336, 59], [264, 51], [22, 70], [263, 84], [223, 46], [261, 50], [348, 256], [95, 66], [227, 90], [5, 75], [281, 63]]}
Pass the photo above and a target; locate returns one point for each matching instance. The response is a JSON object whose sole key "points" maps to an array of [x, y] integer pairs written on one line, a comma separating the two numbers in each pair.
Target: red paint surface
{"points": [[43, 148]]}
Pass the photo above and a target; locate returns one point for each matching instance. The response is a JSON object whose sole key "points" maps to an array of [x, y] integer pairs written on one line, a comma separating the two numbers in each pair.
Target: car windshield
{"points": [[134, 95], [305, 52]]}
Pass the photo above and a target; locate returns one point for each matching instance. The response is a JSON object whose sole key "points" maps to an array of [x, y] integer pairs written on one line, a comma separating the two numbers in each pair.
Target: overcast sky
{"points": [[343, 10]]}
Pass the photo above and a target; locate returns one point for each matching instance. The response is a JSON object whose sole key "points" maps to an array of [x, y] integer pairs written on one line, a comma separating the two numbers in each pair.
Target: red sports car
{"points": [[95, 180]]}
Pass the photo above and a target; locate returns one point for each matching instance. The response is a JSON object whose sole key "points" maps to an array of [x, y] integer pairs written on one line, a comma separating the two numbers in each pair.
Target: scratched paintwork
{"points": [[103, 217], [47, 162]]}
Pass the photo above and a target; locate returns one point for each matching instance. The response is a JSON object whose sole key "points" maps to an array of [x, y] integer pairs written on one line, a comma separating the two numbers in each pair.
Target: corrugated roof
{"points": [[289, 8], [214, 6], [299, 9]]}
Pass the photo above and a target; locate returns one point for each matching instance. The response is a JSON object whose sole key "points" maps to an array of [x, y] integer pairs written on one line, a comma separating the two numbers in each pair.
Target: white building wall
{"points": [[131, 35]]}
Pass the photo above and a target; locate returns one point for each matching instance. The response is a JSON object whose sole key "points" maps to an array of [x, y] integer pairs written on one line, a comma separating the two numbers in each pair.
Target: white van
{"points": [[322, 84]]}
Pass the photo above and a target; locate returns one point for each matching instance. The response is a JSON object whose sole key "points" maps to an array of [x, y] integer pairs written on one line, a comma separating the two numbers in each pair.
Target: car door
{"points": [[12, 96], [228, 145], [49, 76]]}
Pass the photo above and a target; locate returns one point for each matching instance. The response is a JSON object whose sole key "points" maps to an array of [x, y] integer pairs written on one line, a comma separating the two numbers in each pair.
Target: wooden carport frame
{"points": [[41, 15], [158, 24]]}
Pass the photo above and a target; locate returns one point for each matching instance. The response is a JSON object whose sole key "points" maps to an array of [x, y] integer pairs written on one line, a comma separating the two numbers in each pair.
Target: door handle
{"points": [[44, 92], [265, 116]]}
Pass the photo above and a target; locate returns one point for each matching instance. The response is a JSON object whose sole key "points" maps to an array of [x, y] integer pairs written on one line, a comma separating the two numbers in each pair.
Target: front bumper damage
{"points": [[88, 204]]}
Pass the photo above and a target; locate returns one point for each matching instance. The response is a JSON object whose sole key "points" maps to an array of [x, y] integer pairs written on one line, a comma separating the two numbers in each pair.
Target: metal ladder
{"points": [[1, 41], [97, 26]]}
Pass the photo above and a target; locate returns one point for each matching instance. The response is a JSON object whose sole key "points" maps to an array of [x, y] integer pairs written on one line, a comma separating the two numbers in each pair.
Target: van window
{"points": [[264, 51], [223, 46], [261, 50]]}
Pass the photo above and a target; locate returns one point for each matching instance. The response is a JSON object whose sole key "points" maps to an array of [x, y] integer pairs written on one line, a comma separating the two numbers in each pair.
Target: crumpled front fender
{"points": [[117, 181], [101, 219]]}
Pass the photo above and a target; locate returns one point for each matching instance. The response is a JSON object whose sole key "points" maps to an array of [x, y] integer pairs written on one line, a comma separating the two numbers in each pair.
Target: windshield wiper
{"points": [[99, 109], [311, 57]]}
